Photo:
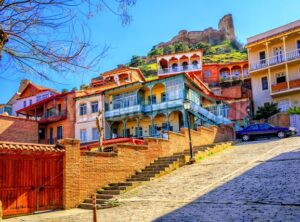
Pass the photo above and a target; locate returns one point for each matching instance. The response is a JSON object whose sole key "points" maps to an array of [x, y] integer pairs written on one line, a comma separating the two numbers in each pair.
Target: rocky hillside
{"points": [[219, 46]]}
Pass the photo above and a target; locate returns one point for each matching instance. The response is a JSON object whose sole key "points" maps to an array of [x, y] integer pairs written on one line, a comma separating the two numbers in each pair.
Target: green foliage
{"points": [[227, 51], [84, 86], [149, 70], [74, 89], [266, 111], [64, 90], [293, 110], [137, 61]]}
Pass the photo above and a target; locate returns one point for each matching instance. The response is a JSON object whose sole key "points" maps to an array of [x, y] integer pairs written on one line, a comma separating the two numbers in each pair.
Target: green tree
{"points": [[169, 49], [84, 86], [181, 47], [64, 90], [74, 89], [266, 111], [156, 52], [136, 61]]}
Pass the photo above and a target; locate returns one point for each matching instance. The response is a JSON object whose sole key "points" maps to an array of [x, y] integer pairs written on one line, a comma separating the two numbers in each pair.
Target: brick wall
{"points": [[85, 172], [280, 119], [16, 129]]}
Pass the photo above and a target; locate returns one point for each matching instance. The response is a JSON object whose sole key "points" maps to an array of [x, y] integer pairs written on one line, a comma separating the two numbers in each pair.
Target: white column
{"points": [[286, 65]]}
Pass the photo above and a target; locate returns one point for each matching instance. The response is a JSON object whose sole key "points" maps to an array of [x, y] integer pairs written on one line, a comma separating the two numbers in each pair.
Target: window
{"points": [[45, 96], [264, 83], [174, 67], [83, 109], [24, 103], [298, 44], [83, 137], [38, 98], [59, 132], [94, 106], [262, 56], [207, 73], [30, 102], [163, 97], [280, 77], [252, 127], [265, 126], [95, 134], [284, 105], [174, 89], [154, 99], [124, 100]]}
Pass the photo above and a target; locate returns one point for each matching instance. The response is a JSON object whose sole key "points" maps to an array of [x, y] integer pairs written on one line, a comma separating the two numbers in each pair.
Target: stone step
{"points": [[89, 206], [98, 201], [165, 161], [104, 196], [144, 175], [113, 192], [160, 165], [151, 170], [122, 184], [157, 167], [138, 179], [116, 187]]}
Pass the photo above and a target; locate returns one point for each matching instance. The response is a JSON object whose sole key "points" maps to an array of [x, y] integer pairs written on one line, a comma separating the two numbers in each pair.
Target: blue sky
{"points": [[157, 21]]}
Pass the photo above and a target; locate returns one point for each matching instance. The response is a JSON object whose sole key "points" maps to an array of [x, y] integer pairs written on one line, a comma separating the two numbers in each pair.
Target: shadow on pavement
{"points": [[268, 192]]}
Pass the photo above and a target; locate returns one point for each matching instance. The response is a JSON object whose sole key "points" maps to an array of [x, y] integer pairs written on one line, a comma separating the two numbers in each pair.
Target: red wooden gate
{"points": [[30, 183]]}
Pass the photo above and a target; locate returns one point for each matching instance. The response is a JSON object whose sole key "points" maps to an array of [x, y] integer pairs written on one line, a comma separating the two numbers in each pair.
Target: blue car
{"points": [[264, 130]]}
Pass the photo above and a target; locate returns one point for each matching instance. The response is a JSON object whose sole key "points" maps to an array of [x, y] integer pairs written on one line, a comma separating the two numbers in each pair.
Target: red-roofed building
{"points": [[55, 115]]}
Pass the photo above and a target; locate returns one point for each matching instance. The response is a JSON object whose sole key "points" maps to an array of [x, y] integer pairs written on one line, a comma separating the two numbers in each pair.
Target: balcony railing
{"points": [[236, 75], [122, 111], [53, 116], [179, 69], [274, 60], [281, 87], [143, 108]]}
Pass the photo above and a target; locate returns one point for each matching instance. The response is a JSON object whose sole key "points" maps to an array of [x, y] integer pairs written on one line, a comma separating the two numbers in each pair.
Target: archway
{"points": [[145, 126], [224, 73], [175, 121], [159, 124], [163, 64], [117, 129], [236, 72], [143, 95], [158, 93]]}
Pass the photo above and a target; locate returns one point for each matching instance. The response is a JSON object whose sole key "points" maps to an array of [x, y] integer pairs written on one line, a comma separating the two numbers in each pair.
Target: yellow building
{"points": [[274, 66]]}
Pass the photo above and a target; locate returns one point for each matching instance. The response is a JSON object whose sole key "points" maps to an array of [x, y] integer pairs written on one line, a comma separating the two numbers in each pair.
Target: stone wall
{"points": [[14, 129], [85, 172]]}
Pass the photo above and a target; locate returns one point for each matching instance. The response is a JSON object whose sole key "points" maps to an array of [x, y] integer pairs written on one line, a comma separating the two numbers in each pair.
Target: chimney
{"points": [[23, 84]]}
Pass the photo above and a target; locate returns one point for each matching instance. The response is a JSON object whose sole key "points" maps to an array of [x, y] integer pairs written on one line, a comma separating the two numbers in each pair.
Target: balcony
{"points": [[188, 68], [283, 87], [123, 111], [275, 60], [143, 108], [225, 76], [53, 116]]}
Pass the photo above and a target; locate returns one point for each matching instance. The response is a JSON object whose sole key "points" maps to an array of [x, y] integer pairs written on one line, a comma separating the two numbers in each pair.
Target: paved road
{"points": [[256, 181]]}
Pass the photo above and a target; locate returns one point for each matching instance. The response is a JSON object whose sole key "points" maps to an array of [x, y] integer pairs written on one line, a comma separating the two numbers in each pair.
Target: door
{"points": [[262, 57], [17, 184], [29, 184], [278, 54], [51, 136], [284, 105]]}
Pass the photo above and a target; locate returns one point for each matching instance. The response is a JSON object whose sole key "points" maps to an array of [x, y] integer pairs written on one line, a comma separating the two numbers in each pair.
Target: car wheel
{"points": [[281, 134], [246, 138]]}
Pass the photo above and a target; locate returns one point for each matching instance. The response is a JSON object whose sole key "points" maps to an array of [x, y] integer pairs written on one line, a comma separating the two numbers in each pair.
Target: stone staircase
{"points": [[107, 196]]}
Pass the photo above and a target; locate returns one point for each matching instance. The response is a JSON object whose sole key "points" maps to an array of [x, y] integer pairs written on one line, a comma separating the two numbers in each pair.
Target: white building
{"points": [[86, 108], [31, 94]]}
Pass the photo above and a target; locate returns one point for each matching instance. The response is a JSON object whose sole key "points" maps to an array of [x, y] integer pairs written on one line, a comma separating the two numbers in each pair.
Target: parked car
{"points": [[264, 130]]}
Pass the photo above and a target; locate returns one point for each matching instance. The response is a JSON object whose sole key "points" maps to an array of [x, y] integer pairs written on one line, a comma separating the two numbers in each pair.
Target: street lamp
{"points": [[187, 107]]}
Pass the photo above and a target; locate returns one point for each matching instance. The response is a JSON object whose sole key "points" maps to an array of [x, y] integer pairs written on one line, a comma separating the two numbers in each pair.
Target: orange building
{"points": [[231, 80], [55, 115]]}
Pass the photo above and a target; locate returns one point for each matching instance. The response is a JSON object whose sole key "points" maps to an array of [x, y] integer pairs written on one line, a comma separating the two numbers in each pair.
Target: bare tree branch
{"points": [[41, 35]]}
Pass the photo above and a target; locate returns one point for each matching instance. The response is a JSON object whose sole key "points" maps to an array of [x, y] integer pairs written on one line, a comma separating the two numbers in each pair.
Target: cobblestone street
{"points": [[255, 181]]}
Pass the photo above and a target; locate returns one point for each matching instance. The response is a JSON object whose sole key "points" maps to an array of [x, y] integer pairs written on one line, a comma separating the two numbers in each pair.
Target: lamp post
{"points": [[187, 107]]}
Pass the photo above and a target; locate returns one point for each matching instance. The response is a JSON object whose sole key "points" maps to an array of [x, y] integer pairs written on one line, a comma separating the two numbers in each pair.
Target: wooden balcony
{"points": [[282, 87], [279, 87]]}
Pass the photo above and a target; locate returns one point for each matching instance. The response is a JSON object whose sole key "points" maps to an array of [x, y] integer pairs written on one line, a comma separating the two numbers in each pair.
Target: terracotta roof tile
{"points": [[30, 146]]}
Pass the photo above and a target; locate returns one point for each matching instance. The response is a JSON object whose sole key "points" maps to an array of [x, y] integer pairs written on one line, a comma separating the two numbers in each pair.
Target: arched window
{"points": [[175, 67], [195, 63], [185, 65]]}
